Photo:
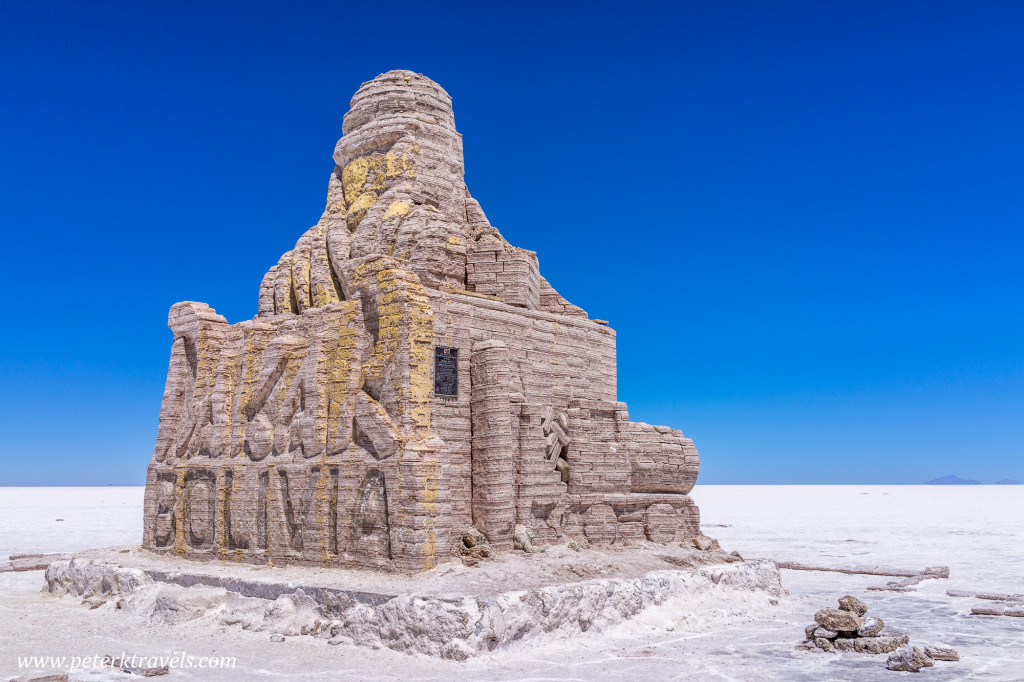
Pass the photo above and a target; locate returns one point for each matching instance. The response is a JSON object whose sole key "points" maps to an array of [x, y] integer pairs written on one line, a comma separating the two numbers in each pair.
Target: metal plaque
{"points": [[446, 371]]}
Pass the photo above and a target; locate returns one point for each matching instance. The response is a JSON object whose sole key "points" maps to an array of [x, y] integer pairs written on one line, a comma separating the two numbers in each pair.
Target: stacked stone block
{"points": [[492, 469], [312, 434], [511, 274]]}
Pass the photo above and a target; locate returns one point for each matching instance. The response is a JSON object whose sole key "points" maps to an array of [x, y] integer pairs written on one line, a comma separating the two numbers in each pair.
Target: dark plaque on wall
{"points": [[446, 372]]}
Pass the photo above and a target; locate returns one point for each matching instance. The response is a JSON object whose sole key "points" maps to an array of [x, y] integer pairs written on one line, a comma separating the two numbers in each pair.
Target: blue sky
{"points": [[803, 220]]}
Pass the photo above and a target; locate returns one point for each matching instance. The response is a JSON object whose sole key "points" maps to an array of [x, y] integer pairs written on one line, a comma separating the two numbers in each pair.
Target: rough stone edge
{"points": [[455, 627]]}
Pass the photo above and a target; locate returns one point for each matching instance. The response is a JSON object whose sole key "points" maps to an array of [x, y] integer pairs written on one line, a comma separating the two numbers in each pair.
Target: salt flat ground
{"points": [[978, 531]]}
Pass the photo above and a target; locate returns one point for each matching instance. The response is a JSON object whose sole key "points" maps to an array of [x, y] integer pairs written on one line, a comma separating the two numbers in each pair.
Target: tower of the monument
{"points": [[409, 374]]}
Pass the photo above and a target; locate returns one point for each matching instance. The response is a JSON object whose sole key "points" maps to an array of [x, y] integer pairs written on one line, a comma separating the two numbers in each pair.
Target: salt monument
{"points": [[409, 375]]}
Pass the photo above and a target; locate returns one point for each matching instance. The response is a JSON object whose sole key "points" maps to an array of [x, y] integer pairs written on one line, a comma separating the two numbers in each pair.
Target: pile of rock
{"points": [[846, 629]]}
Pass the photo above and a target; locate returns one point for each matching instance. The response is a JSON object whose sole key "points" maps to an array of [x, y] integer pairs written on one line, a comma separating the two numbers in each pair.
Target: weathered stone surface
{"points": [[882, 644], [473, 549], [705, 543], [900, 585], [852, 604], [888, 640], [871, 627], [942, 653], [930, 572], [313, 433], [493, 470], [472, 537], [522, 538], [825, 633], [30, 562], [578, 543], [838, 620], [823, 644], [982, 595], [447, 623], [844, 644], [908, 659], [986, 611]]}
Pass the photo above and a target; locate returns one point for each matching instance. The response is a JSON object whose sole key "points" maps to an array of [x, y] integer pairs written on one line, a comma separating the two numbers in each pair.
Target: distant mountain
{"points": [[952, 480], [1007, 481]]}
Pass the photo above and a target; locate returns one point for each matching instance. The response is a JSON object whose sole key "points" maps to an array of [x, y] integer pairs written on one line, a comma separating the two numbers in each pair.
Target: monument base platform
{"points": [[452, 611]]}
